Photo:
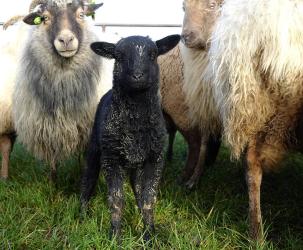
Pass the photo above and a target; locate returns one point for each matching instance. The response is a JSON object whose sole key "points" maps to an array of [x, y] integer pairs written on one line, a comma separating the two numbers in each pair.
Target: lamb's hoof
{"points": [[83, 212], [148, 235], [191, 184]]}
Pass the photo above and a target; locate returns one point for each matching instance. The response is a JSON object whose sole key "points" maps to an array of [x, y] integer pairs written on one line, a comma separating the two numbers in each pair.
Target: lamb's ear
{"points": [[91, 8], [104, 49], [33, 18], [167, 43]]}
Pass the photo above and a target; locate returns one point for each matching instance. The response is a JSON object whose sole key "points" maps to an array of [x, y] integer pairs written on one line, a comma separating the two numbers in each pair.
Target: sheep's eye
{"points": [[81, 15], [45, 18]]}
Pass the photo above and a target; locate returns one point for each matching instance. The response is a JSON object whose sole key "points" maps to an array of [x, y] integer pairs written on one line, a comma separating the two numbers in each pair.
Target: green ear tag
{"points": [[37, 20]]}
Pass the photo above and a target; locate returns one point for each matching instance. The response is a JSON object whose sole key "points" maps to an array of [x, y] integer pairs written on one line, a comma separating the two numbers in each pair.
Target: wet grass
{"points": [[36, 215]]}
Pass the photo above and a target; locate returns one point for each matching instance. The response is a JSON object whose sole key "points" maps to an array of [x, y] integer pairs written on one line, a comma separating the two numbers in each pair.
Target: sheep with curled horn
{"points": [[256, 70], [59, 83]]}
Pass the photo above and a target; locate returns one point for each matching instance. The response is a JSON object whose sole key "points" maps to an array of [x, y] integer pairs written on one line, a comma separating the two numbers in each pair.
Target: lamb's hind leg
{"points": [[254, 179], [150, 183], [6, 144]]}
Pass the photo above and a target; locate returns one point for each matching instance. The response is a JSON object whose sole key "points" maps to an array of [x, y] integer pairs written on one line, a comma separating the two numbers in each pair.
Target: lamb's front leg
{"points": [[114, 179], [152, 176], [136, 176]]}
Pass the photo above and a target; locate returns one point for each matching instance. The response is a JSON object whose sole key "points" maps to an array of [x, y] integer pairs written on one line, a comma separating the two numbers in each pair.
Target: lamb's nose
{"points": [[137, 76]]}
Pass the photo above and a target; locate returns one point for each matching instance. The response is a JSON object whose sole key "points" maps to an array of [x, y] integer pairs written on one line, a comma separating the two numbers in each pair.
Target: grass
{"points": [[36, 215]]}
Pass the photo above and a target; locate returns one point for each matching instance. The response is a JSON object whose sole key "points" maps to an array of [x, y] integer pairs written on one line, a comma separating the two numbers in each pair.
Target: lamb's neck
{"points": [[144, 98]]}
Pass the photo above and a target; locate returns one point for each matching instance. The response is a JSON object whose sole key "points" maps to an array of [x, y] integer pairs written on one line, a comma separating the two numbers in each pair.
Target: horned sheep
{"points": [[256, 66], [129, 131], [60, 81]]}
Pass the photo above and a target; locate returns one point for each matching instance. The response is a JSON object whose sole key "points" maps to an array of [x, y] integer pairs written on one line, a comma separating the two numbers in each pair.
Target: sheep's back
{"points": [[171, 81]]}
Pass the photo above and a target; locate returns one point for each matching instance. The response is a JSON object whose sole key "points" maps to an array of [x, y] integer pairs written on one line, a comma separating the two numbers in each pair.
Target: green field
{"points": [[36, 215]]}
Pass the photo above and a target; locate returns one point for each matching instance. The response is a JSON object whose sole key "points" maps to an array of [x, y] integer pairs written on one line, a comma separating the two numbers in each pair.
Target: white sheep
{"points": [[10, 46], [256, 65]]}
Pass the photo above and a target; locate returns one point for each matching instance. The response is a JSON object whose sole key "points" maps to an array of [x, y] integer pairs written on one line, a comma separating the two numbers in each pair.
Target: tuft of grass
{"points": [[36, 215]]}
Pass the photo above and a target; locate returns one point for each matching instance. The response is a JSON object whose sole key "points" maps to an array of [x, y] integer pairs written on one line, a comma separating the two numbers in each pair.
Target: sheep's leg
{"points": [[151, 181], [200, 165], [213, 147], [53, 172], [254, 179], [193, 140], [6, 144], [136, 184], [171, 138], [171, 130], [114, 179]]}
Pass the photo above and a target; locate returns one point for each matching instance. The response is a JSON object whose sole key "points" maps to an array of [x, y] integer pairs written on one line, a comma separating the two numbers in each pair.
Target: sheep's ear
{"points": [[104, 49], [91, 8], [167, 43], [33, 18]]}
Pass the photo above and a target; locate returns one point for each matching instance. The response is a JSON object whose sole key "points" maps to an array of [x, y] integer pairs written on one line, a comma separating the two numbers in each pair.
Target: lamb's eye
{"points": [[153, 56]]}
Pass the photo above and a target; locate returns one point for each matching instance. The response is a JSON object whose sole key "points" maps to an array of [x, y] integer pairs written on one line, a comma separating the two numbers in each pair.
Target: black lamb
{"points": [[128, 135]]}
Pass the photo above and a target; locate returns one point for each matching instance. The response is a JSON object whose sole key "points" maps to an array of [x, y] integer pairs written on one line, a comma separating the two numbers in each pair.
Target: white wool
{"points": [[11, 42], [254, 38]]}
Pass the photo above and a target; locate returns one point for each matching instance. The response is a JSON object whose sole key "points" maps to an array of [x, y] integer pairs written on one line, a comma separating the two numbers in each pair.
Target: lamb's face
{"points": [[60, 24], [136, 66], [199, 20], [136, 63]]}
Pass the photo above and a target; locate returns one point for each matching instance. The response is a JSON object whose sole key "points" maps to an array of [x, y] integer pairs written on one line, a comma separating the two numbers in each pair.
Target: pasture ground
{"points": [[36, 215]]}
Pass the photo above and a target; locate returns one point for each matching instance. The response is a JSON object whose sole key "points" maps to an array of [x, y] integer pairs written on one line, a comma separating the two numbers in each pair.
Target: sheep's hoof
{"points": [[3, 178], [53, 177], [183, 179]]}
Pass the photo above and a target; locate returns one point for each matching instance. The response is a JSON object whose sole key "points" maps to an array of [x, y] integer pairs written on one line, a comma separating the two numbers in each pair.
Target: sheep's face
{"points": [[62, 22], [136, 66], [199, 19]]}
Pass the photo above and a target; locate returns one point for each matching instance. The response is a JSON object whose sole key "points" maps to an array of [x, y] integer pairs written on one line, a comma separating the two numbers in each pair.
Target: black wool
{"points": [[129, 131]]}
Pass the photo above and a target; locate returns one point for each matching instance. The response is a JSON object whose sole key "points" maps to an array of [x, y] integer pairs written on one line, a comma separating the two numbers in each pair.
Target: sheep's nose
{"points": [[66, 39], [186, 37], [137, 76]]}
